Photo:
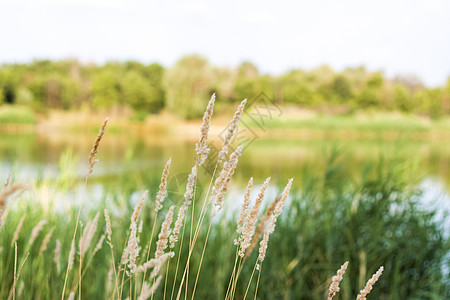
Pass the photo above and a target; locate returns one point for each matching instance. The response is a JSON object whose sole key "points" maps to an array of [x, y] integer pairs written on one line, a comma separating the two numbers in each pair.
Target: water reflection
{"points": [[132, 163], [34, 154]]}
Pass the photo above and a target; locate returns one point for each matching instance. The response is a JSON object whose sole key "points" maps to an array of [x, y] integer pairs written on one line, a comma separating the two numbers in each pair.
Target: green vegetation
{"points": [[372, 220], [379, 122], [183, 88], [17, 115]]}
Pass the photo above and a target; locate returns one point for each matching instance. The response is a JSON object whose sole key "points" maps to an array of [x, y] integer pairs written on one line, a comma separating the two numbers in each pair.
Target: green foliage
{"points": [[402, 99], [375, 81], [188, 86], [368, 97], [17, 115], [297, 89], [141, 93], [105, 89], [341, 86], [372, 220], [185, 87]]}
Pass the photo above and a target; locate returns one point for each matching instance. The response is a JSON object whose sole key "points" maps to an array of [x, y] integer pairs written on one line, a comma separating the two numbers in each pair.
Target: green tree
{"points": [[376, 81], [105, 89], [446, 98], [250, 83], [402, 99], [342, 88], [189, 86], [140, 93], [296, 88], [37, 88], [224, 83], [367, 98], [370, 95], [155, 77], [9, 83]]}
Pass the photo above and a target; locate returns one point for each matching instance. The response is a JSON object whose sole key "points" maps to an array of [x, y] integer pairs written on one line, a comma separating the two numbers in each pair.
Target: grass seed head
{"points": [[334, 286], [201, 147], [17, 231], [364, 292], [108, 225], [251, 219], [94, 149], [36, 230], [231, 130], [46, 240], [162, 186], [244, 209]]}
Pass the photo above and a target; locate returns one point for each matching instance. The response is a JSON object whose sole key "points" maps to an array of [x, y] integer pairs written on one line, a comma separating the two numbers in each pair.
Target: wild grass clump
{"points": [[169, 246]]}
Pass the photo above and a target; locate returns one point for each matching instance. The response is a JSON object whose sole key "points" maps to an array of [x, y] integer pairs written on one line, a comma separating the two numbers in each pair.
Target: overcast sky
{"points": [[399, 37]]}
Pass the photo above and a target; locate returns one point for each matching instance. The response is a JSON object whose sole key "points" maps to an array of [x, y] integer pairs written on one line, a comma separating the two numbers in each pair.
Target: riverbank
{"points": [[290, 122]]}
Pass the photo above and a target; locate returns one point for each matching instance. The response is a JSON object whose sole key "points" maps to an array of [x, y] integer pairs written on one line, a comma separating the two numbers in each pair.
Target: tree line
{"points": [[186, 87]]}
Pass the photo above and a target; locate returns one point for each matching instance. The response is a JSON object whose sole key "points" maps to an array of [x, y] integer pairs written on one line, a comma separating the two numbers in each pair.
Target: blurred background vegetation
{"points": [[185, 87]]}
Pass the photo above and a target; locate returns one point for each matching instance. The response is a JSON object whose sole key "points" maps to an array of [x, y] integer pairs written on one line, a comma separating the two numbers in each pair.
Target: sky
{"points": [[399, 37]]}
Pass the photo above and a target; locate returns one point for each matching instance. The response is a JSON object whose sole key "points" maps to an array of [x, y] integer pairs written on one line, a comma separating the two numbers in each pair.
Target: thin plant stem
{"points": [[75, 232], [116, 289], [153, 282], [204, 206], [149, 248], [79, 274], [250, 281], [257, 282], [123, 271], [186, 285], [233, 272], [187, 261], [135, 285], [195, 236], [190, 234], [178, 260], [201, 259], [83, 190], [238, 273], [12, 292], [15, 270], [165, 279]]}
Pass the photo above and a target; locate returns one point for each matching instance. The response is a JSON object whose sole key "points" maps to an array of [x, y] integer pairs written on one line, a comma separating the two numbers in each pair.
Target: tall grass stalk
{"points": [[92, 162], [249, 281], [159, 199], [12, 292]]}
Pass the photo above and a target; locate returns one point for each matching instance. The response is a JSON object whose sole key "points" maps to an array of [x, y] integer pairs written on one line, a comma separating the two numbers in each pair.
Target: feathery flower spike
{"points": [[334, 286], [231, 130], [364, 292]]}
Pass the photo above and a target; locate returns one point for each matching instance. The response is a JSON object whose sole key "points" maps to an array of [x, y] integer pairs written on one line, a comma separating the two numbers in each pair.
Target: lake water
{"points": [[138, 160]]}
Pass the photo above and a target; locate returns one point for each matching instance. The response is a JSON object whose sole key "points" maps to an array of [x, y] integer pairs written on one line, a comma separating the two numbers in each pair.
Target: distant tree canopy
{"points": [[186, 87], [189, 85]]}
